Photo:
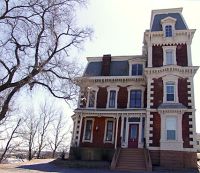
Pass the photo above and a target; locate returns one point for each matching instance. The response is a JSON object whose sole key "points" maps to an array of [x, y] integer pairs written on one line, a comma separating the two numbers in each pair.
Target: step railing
{"points": [[115, 158], [147, 160]]}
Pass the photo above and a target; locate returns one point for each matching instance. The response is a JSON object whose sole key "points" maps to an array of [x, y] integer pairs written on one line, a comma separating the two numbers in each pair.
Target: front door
{"points": [[133, 135]]}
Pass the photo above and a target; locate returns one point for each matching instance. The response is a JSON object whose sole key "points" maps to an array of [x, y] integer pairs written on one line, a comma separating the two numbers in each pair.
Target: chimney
{"points": [[106, 60]]}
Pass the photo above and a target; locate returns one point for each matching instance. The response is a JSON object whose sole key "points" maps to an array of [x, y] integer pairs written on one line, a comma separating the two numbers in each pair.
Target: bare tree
{"points": [[10, 137], [60, 135], [29, 131], [36, 38], [47, 114]]}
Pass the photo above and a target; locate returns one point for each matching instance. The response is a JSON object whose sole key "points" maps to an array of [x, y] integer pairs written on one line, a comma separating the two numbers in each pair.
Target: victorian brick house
{"points": [[128, 103]]}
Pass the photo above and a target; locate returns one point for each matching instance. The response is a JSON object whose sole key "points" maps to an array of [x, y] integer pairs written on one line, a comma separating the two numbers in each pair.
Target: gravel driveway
{"points": [[43, 166]]}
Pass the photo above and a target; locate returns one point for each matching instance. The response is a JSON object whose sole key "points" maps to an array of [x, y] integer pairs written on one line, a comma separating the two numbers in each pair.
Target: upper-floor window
{"points": [[112, 99], [92, 95], [109, 134], [135, 99], [88, 130], [171, 128], [170, 91], [137, 69], [169, 53], [168, 31], [169, 57]]}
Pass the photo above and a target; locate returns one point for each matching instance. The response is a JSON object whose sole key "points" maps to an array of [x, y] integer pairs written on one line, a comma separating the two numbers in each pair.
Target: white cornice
{"points": [[117, 58], [171, 70], [106, 112], [180, 37], [110, 79]]}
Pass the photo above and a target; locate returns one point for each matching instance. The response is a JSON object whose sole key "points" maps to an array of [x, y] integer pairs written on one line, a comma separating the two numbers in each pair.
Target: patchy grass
{"points": [[81, 164]]}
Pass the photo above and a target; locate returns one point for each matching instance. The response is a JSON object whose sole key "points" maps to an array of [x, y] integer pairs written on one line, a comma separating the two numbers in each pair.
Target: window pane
{"points": [[171, 128], [92, 98], [169, 57], [112, 99], [137, 69], [109, 131], [171, 135], [168, 31], [170, 91], [135, 98], [88, 130]]}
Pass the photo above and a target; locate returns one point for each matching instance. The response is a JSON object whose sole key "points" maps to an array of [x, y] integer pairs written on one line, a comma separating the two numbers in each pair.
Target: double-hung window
{"points": [[170, 92], [112, 99], [169, 57], [135, 99], [137, 69], [109, 131], [168, 31], [92, 95], [88, 130], [171, 128]]}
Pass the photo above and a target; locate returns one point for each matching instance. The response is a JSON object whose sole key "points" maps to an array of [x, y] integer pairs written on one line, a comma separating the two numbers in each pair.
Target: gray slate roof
{"points": [[156, 26], [171, 106], [117, 68]]}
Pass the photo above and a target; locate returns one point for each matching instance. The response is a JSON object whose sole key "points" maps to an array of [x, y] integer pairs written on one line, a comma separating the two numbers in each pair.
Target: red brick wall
{"points": [[122, 97], [185, 130], [181, 55], [158, 92], [178, 159], [98, 135], [156, 129], [102, 97], [157, 56], [183, 91]]}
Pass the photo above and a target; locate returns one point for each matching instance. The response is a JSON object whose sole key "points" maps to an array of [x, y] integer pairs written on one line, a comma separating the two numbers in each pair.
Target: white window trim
{"points": [[131, 62], [171, 48], [84, 140], [177, 144], [135, 88], [108, 97], [168, 21], [173, 79], [106, 124], [176, 136], [88, 96]]}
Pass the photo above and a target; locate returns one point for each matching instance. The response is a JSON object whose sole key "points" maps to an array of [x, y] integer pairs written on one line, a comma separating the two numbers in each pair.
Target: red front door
{"points": [[133, 136]]}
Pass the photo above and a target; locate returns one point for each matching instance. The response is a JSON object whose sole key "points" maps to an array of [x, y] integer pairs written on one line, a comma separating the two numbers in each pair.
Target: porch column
{"points": [[116, 131]]}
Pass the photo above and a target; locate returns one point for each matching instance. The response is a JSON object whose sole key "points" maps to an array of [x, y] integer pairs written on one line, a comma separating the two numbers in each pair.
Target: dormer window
{"points": [[168, 31], [137, 69], [168, 26]]}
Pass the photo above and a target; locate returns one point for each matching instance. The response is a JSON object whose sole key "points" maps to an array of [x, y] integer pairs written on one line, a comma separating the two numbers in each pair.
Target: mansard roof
{"points": [[117, 68], [118, 65], [156, 25]]}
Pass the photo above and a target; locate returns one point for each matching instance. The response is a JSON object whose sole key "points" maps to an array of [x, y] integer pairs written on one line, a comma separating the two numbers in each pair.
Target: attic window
{"points": [[168, 31]]}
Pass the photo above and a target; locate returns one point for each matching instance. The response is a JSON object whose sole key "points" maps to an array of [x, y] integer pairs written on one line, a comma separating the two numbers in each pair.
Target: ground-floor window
{"points": [[88, 130], [109, 131], [171, 128]]}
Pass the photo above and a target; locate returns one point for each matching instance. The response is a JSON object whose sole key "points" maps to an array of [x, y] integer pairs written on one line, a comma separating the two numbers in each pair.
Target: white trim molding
{"points": [[173, 50], [142, 96], [110, 88], [174, 79], [113, 130], [177, 144], [85, 121], [88, 97], [168, 21]]}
